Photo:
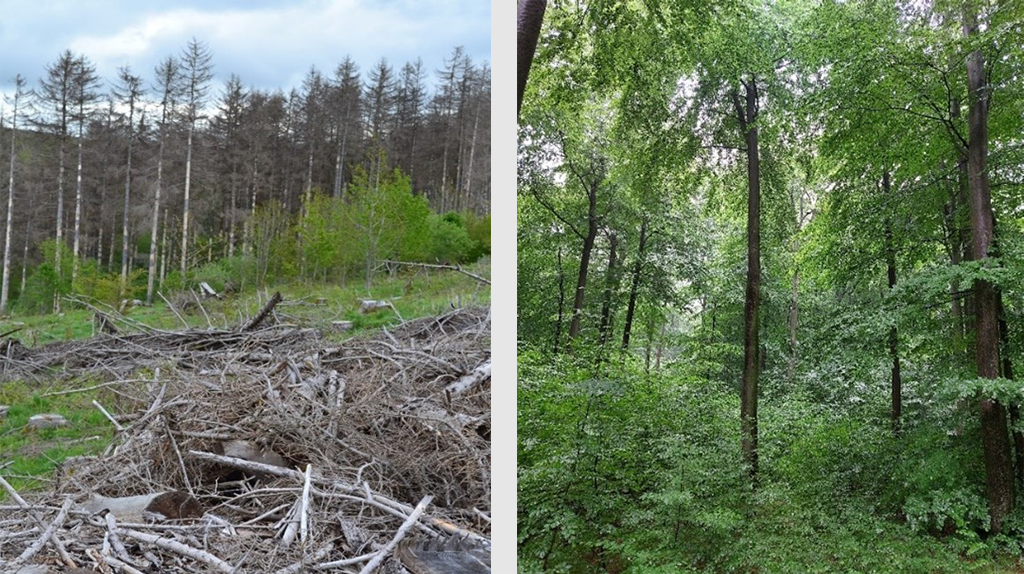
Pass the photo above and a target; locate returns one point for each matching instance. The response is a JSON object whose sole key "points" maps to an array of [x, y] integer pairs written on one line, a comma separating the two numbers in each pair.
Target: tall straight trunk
{"points": [[588, 247], [60, 215], [103, 201], [609, 288], [24, 258], [127, 202], [999, 483], [896, 382], [529, 16], [634, 289], [747, 115], [164, 250], [472, 153], [78, 202], [185, 213], [10, 205], [156, 221], [231, 212]]}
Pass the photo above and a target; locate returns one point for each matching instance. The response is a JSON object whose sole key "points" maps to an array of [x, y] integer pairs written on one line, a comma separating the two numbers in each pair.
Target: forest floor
{"points": [[27, 459], [257, 434]]}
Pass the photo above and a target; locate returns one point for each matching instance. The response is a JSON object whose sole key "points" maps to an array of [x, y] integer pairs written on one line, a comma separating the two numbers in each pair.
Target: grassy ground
{"points": [[27, 457], [414, 293]]}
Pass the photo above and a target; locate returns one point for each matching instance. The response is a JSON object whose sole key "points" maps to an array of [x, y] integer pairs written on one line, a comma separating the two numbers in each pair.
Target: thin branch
{"points": [[433, 266]]}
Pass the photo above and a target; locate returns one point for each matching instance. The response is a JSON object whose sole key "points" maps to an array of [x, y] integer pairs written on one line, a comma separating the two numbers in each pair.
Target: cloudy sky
{"points": [[268, 43]]}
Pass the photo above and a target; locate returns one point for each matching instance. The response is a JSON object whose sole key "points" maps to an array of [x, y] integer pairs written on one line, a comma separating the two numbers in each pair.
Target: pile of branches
{"points": [[270, 451]]}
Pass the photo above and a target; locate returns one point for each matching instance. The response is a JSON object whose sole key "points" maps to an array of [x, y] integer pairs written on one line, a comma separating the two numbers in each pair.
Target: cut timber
{"points": [[451, 556], [103, 323], [341, 326], [468, 382], [255, 321], [245, 450], [47, 421], [172, 505], [371, 306], [208, 291]]}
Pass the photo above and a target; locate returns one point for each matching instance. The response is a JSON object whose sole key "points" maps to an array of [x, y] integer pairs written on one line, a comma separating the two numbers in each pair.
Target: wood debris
{"points": [[266, 450]]}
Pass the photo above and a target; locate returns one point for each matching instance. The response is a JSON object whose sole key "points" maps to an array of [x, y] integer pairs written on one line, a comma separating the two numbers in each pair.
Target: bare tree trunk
{"points": [[231, 212], [529, 16], [472, 152], [155, 226], [19, 82], [751, 344], [78, 204], [995, 435], [164, 250], [60, 218], [185, 212], [127, 203]]}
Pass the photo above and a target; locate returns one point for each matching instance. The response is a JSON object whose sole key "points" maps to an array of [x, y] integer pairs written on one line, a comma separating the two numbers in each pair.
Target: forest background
{"points": [[119, 187], [770, 268]]}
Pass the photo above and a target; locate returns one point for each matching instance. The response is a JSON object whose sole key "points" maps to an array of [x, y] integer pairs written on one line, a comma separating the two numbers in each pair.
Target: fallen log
{"points": [[172, 505], [255, 321], [468, 382]]}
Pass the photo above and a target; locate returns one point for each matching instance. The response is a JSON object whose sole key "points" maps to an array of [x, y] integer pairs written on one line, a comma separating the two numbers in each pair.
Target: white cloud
{"points": [[259, 44]]}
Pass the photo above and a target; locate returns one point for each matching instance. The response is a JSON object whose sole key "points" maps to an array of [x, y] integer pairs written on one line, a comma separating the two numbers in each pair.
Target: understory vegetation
{"points": [[771, 258]]}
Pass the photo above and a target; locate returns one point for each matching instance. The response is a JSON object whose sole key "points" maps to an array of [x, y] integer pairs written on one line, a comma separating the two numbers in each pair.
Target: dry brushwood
{"points": [[273, 450]]}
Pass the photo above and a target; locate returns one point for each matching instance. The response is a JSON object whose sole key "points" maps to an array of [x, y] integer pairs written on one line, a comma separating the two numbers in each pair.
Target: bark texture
{"points": [[995, 434], [529, 16], [746, 113]]}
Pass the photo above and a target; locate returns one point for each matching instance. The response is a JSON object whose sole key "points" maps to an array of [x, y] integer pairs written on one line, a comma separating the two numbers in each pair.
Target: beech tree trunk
{"points": [[588, 247], [747, 115], [999, 482], [896, 382], [634, 289], [529, 16]]}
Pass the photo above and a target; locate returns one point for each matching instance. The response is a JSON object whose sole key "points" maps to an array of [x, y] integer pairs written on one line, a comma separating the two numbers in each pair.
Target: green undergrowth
{"points": [[622, 471], [29, 456], [415, 292]]}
